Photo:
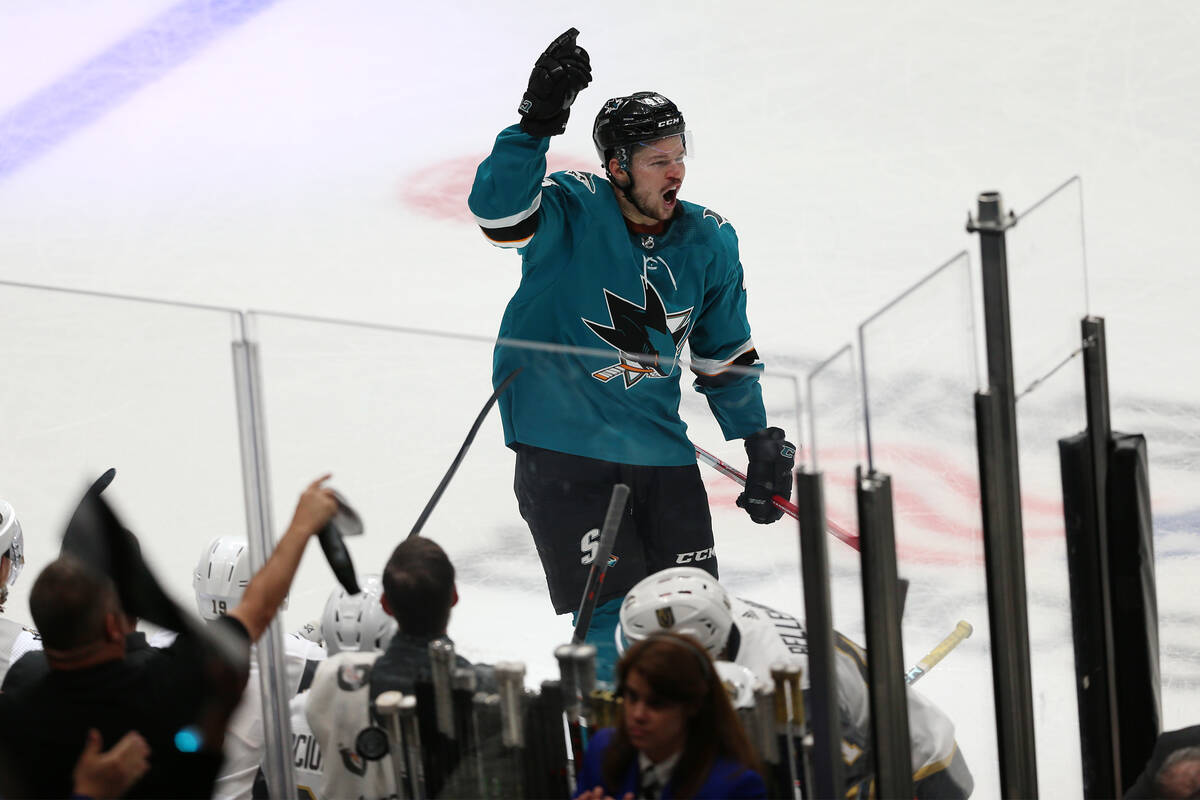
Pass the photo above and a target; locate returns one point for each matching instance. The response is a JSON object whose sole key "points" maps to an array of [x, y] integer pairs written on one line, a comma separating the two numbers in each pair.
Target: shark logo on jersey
{"points": [[708, 212], [647, 337]]}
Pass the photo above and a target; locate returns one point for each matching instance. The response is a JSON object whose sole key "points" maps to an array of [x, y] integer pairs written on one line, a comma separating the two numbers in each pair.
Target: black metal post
{"points": [[1086, 521], [1000, 490], [885, 649], [818, 623]]}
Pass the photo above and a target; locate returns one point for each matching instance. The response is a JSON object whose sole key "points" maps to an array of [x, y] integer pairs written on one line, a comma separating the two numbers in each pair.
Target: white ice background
{"points": [[313, 158]]}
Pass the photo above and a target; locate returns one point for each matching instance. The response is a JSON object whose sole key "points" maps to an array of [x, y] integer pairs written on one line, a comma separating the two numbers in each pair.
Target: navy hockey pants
{"points": [[563, 499]]}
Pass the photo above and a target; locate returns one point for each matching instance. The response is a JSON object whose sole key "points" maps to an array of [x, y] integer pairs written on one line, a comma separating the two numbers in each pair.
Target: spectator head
{"points": [[357, 622], [685, 600], [1179, 775], [12, 549], [78, 614], [674, 702], [418, 587]]}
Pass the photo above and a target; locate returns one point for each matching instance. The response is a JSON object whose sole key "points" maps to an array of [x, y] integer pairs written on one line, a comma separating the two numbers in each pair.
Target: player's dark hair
{"points": [[679, 670], [69, 602], [418, 582]]}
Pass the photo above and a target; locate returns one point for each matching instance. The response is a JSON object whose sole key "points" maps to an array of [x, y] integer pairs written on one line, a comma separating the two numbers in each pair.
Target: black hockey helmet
{"points": [[625, 121]]}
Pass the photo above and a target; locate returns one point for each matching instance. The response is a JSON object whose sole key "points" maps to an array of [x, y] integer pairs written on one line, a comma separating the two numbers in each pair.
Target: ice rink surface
{"points": [[314, 158]]}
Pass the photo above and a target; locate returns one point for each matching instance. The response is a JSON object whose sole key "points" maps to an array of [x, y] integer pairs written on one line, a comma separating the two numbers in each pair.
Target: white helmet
{"points": [[12, 541], [357, 622], [681, 599], [221, 576]]}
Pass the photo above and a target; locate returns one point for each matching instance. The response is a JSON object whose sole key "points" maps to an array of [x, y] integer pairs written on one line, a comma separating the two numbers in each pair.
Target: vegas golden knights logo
{"points": [[666, 617]]}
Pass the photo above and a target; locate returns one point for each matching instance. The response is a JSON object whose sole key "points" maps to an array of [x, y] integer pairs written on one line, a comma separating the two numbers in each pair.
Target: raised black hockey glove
{"points": [[771, 458], [561, 72]]}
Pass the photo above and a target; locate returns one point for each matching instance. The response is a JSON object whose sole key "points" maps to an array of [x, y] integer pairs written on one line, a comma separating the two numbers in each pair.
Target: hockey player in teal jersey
{"points": [[621, 265]]}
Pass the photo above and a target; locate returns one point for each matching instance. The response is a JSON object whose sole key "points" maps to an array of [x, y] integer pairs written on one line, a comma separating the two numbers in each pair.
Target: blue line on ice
{"points": [[55, 113], [1180, 522]]}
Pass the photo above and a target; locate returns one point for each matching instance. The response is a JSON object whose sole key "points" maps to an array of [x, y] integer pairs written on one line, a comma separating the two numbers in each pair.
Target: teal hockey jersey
{"points": [[634, 300]]}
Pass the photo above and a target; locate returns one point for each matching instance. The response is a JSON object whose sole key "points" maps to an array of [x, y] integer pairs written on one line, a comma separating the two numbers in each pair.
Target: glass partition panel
{"points": [[836, 450], [93, 382], [1047, 283], [1051, 410], [760, 563], [387, 409], [919, 383], [1169, 417], [1048, 296]]}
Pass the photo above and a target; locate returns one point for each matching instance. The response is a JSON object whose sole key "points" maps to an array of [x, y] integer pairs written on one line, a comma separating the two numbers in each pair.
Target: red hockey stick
{"points": [[789, 508]]}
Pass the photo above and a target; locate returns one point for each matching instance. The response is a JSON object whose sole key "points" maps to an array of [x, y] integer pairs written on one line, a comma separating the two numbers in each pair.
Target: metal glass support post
{"points": [[818, 622], [1091, 589], [885, 649], [1000, 490], [277, 724]]}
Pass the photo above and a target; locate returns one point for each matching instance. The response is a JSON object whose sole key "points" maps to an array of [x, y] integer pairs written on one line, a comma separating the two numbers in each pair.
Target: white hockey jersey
{"points": [[768, 637], [338, 711], [15, 641], [244, 739], [307, 761]]}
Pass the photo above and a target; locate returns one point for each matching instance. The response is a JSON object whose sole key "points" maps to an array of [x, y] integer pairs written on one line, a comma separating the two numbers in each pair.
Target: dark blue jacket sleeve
{"points": [[734, 781], [591, 773]]}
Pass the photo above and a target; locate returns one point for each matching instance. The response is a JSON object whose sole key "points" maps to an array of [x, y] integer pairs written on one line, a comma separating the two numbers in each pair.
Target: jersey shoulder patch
{"points": [[715, 217], [715, 230], [571, 178]]}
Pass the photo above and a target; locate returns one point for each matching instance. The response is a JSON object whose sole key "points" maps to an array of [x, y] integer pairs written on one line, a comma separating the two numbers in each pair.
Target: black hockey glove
{"points": [[560, 73], [769, 472]]}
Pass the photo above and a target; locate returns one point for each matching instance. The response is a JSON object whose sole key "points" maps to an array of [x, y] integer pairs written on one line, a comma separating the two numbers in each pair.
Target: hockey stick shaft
{"points": [[595, 579], [961, 631], [462, 452], [782, 503]]}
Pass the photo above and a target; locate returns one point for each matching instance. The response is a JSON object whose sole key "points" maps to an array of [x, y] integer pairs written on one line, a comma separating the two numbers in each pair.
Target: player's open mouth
{"points": [[669, 195]]}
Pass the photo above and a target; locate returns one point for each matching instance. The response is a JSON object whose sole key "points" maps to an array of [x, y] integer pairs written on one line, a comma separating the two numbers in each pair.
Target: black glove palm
{"points": [[769, 472], [561, 72]]}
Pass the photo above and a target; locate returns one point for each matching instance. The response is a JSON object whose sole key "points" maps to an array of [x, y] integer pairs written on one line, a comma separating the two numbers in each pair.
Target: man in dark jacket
{"points": [[1173, 769], [419, 591], [178, 698]]}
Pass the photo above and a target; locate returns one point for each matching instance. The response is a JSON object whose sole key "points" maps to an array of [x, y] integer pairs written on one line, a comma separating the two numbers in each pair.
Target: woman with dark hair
{"points": [[677, 734]]}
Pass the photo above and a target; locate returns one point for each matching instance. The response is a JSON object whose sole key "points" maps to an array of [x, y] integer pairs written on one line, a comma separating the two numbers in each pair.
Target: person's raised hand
{"points": [[561, 72], [316, 507]]}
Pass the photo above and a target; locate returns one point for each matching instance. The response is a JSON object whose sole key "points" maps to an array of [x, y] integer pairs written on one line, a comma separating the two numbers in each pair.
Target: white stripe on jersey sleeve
{"points": [[715, 366], [509, 221]]}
